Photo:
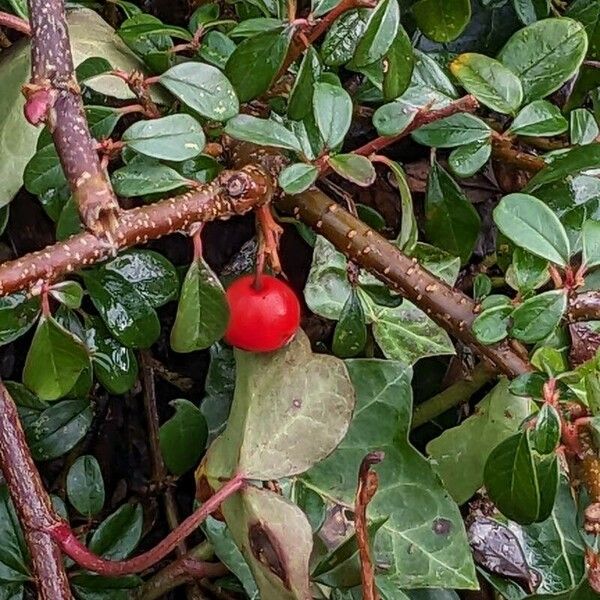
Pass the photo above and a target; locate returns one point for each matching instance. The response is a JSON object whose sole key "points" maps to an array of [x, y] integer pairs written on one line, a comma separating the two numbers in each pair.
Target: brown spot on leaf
{"points": [[265, 549], [442, 526]]}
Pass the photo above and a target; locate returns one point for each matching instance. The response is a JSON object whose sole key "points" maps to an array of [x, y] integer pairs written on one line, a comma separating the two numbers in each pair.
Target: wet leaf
{"points": [[491, 326], [529, 271], [13, 550], [262, 132], [350, 335], [466, 160], [440, 20], [297, 178], [85, 486], [457, 130], [119, 534], [394, 118], [332, 107], [537, 317], [546, 435], [343, 36], [216, 49], [584, 128], [18, 313], [145, 176], [69, 293], [301, 96], [399, 64], [539, 118], [379, 34]]}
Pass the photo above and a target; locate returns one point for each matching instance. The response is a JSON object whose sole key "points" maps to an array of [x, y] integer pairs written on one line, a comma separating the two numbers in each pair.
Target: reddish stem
{"points": [[63, 535], [13, 22], [197, 240], [45, 301]]}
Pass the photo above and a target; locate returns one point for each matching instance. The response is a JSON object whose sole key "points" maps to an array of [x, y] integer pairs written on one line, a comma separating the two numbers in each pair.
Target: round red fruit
{"points": [[263, 319]]}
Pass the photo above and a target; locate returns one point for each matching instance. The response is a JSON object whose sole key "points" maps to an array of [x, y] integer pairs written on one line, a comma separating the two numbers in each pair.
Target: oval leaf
{"points": [[85, 486], [333, 112], [537, 317]]}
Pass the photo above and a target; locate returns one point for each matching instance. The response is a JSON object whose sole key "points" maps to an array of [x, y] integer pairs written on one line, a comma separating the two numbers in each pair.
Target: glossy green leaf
{"points": [[380, 31], [301, 96], [127, 314], [55, 360], [482, 286], [457, 130], [584, 128], [537, 317], [115, 366], [69, 293], [332, 107], [309, 396], [399, 64], [203, 88], [250, 27], [146, 176], [175, 137], [440, 20], [297, 178], [216, 49], [119, 534], [353, 167], [529, 223], [152, 275], [183, 437], [459, 454], [430, 85], [591, 243], [343, 36], [203, 313], [409, 230], [466, 160], [539, 118], [85, 486], [530, 11], [491, 326], [13, 550], [522, 487], [452, 223], [18, 312], [311, 503], [350, 335], [489, 81], [529, 271], [545, 54], [409, 541], [546, 435], [254, 64], [263, 132], [44, 172], [394, 118]]}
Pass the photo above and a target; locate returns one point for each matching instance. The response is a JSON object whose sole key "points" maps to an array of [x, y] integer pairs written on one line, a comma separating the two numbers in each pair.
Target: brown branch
{"points": [[53, 96], [231, 193], [13, 22], [448, 307], [63, 535], [505, 151], [32, 504], [368, 482], [584, 307]]}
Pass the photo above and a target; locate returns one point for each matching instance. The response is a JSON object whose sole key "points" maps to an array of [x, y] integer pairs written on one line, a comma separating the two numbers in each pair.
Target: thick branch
{"points": [[231, 193], [585, 307], [448, 307], [54, 96], [505, 151], [62, 533], [13, 22], [32, 504]]}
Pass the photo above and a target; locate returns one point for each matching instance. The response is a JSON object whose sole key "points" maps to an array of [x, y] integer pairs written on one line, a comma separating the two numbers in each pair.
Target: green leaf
{"points": [[459, 454], [152, 275], [457, 130], [332, 107], [127, 314], [545, 54], [546, 435], [300, 100], [183, 437], [520, 485], [18, 312], [407, 334], [399, 64], [203, 313], [115, 366], [353, 167], [44, 172], [393, 118], [379, 34], [313, 505], [293, 405], [175, 137], [537, 317], [145, 176], [203, 88], [410, 496], [442, 21], [13, 550], [482, 286], [430, 85], [584, 128], [350, 335], [55, 360], [255, 63], [69, 293], [264, 132], [56, 430], [85, 486], [452, 223], [409, 230], [216, 49], [466, 160], [591, 243], [119, 534], [529, 223], [529, 270], [250, 27], [489, 81], [491, 326], [539, 118], [297, 178], [530, 11], [343, 36]]}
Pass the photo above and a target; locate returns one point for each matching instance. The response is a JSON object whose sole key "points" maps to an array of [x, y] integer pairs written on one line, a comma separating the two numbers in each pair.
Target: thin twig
{"points": [[368, 481], [13, 22]]}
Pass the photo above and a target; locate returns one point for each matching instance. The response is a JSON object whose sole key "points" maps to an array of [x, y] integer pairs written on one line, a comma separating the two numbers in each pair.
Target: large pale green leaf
{"points": [[545, 54], [276, 540], [90, 36], [423, 540], [291, 408], [459, 454]]}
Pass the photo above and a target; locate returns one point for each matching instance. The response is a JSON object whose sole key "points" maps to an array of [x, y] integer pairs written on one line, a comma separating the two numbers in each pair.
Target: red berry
{"points": [[261, 320]]}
